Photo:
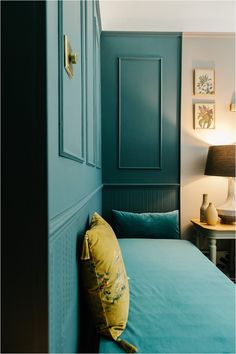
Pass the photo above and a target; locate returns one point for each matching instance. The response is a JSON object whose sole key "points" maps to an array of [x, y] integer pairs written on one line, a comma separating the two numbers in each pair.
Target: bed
{"points": [[180, 302]]}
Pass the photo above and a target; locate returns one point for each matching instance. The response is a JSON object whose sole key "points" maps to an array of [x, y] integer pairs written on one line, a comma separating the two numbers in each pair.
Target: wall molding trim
{"points": [[126, 62], [61, 220], [208, 34], [98, 16], [141, 185], [97, 95], [89, 74], [141, 33], [64, 151]]}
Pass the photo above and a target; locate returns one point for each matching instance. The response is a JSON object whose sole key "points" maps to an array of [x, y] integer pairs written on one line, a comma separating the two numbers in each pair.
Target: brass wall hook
{"points": [[70, 58]]}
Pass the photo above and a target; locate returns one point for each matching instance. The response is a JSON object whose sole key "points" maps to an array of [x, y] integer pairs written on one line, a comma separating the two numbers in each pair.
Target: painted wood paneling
{"points": [[140, 101], [90, 117], [70, 89], [141, 121], [97, 91], [146, 147], [140, 198], [66, 175], [74, 186], [66, 296]]}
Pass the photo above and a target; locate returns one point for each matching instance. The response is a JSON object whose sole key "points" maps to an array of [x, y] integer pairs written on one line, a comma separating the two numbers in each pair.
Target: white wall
{"points": [[205, 51], [167, 16]]}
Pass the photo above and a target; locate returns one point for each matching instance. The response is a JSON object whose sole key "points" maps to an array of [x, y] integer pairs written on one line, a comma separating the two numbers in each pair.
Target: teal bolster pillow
{"points": [[150, 225]]}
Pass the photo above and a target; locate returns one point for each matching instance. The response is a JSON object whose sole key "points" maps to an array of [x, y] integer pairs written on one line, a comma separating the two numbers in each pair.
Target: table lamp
{"points": [[221, 162]]}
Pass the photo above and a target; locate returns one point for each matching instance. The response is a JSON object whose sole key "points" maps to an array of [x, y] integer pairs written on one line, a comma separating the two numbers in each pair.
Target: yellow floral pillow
{"points": [[105, 280]]}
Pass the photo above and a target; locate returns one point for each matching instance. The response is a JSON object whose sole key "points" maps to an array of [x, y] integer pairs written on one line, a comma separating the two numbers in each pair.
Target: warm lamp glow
{"points": [[218, 137]]}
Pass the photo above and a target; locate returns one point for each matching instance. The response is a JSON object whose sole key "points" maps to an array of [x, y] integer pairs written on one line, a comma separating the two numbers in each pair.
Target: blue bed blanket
{"points": [[179, 301]]}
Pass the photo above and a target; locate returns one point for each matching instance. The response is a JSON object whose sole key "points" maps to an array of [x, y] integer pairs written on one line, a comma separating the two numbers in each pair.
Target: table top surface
{"points": [[218, 227]]}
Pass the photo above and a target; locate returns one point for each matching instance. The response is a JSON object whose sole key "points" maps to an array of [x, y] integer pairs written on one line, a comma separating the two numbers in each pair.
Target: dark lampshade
{"points": [[221, 161]]}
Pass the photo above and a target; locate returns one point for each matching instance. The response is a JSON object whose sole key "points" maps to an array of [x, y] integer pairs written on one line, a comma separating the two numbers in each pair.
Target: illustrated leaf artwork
{"points": [[205, 116], [204, 84]]}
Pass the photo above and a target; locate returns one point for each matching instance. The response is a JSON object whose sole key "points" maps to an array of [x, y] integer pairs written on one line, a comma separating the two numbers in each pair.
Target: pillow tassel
{"points": [[85, 249], [128, 348]]}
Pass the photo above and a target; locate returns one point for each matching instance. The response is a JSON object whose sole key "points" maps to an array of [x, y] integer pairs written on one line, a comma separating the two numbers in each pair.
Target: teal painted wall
{"points": [[145, 90], [74, 160], [141, 81]]}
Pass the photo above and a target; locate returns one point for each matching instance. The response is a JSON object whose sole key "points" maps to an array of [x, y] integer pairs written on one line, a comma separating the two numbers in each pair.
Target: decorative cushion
{"points": [[105, 279], [150, 225]]}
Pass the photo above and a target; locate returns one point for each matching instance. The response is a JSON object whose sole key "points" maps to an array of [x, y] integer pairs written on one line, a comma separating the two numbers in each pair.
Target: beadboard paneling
{"points": [[68, 331], [140, 198]]}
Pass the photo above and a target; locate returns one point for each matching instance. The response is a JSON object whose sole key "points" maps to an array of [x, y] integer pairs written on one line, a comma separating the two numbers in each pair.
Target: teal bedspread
{"points": [[179, 301]]}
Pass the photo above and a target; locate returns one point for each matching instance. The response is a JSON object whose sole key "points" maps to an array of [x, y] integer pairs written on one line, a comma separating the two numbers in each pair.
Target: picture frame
{"points": [[204, 82], [204, 115]]}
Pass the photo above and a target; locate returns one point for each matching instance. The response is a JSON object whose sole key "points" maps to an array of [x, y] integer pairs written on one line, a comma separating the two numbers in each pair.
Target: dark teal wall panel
{"points": [[122, 45], [140, 112]]}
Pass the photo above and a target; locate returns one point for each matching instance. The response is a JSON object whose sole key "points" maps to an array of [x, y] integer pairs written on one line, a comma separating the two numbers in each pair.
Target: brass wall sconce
{"points": [[70, 58], [232, 107]]}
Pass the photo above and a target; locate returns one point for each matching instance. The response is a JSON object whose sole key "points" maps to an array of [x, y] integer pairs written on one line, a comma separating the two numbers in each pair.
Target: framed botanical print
{"points": [[204, 116], [204, 82]]}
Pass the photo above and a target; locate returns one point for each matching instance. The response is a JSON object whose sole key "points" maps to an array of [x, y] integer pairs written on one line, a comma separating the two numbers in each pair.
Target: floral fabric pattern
{"points": [[105, 278]]}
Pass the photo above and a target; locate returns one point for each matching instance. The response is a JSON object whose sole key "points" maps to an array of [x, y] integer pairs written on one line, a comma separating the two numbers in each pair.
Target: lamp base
{"points": [[227, 212], [227, 219]]}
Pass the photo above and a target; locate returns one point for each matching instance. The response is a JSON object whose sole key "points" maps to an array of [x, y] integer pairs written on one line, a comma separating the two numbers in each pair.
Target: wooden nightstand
{"points": [[214, 233]]}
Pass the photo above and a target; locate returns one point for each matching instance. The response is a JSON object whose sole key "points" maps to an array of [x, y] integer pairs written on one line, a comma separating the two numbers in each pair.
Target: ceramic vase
{"points": [[203, 208], [211, 215]]}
